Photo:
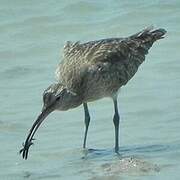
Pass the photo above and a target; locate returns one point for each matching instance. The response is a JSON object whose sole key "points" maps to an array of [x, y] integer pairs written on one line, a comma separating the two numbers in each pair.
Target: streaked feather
{"points": [[100, 68]]}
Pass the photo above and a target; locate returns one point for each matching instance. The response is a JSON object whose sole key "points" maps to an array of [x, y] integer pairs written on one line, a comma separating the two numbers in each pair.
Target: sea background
{"points": [[32, 35]]}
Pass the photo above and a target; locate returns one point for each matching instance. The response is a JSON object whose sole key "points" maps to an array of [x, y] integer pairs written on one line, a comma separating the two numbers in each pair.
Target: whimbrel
{"points": [[91, 71]]}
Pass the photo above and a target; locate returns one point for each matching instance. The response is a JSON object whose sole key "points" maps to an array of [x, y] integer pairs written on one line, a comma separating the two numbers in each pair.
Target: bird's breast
{"points": [[100, 84]]}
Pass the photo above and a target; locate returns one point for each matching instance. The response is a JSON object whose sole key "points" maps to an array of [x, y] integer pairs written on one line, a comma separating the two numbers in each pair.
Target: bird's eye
{"points": [[58, 98], [61, 94]]}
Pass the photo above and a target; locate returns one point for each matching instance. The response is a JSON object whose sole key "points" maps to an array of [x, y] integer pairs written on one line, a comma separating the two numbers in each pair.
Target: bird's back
{"points": [[99, 68]]}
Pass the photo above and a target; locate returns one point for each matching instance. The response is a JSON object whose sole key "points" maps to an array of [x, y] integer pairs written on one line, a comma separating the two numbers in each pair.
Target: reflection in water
{"points": [[32, 36], [101, 163], [127, 151], [105, 164]]}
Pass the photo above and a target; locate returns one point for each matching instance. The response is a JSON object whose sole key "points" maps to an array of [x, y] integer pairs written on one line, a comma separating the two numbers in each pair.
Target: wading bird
{"points": [[91, 71]]}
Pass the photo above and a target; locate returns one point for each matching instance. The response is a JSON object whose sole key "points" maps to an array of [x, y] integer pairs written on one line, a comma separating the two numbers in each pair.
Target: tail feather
{"points": [[158, 33], [150, 34], [145, 39]]}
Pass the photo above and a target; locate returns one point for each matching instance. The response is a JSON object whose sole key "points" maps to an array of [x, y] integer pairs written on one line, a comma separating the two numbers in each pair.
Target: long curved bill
{"points": [[32, 131]]}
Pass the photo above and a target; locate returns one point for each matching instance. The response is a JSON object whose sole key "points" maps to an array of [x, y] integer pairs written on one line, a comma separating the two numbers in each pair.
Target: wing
{"points": [[124, 53], [132, 48]]}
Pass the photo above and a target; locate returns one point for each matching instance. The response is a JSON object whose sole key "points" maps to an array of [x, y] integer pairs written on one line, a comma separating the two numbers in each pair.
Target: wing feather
{"points": [[125, 53]]}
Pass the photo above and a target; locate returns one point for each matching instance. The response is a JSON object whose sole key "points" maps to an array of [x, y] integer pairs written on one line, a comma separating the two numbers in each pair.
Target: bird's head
{"points": [[55, 97]]}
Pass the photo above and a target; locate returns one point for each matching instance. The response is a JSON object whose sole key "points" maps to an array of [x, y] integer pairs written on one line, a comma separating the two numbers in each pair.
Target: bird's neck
{"points": [[71, 100], [76, 101]]}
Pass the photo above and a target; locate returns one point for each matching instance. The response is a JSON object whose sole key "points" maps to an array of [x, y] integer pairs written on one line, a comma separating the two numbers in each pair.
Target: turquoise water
{"points": [[32, 36]]}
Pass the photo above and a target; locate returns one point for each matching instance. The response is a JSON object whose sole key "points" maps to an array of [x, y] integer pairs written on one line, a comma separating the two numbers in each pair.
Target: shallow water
{"points": [[32, 35]]}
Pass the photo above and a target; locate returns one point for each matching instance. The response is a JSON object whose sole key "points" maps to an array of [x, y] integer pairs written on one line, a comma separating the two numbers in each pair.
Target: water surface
{"points": [[32, 37]]}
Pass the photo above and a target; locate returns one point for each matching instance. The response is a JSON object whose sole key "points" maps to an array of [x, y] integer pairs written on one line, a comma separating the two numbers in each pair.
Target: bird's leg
{"points": [[116, 124], [87, 120]]}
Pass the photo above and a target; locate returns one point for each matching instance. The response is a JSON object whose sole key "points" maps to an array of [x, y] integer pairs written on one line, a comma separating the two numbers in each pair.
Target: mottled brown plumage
{"points": [[93, 70], [98, 69]]}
